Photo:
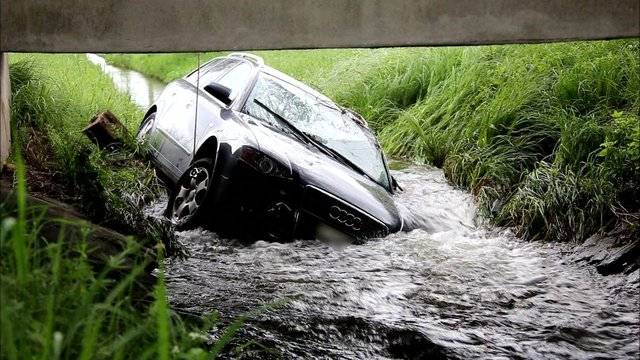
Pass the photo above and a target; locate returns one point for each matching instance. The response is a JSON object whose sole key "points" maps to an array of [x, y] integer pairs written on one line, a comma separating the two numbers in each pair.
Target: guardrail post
{"points": [[5, 109]]}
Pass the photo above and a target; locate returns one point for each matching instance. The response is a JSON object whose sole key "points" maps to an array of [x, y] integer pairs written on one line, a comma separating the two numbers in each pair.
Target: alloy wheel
{"points": [[146, 127], [191, 195]]}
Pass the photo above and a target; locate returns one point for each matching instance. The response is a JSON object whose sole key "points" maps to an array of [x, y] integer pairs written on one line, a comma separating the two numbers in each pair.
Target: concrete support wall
{"points": [[199, 25], [5, 111]]}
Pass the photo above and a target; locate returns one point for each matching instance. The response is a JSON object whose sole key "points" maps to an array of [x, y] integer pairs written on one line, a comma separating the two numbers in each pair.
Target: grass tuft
{"points": [[64, 306]]}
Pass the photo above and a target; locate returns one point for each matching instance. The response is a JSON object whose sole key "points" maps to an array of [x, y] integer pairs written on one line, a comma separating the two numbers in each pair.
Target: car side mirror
{"points": [[395, 185], [219, 92]]}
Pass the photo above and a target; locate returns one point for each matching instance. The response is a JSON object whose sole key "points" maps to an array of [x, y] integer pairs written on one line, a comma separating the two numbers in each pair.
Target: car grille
{"points": [[341, 215]]}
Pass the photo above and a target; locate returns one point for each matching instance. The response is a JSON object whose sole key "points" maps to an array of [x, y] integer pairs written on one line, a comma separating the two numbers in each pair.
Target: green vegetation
{"points": [[54, 97], [546, 136], [58, 301], [56, 304], [164, 67]]}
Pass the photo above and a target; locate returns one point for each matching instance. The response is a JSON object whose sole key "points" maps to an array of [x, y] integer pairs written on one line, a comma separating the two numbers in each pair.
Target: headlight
{"points": [[264, 163]]}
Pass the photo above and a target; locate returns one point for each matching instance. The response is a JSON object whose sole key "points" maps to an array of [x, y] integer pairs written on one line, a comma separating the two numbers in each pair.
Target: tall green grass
{"points": [[53, 98], [546, 136], [56, 304]]}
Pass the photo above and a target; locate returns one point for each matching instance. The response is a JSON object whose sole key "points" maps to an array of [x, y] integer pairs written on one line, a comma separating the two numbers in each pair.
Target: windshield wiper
{"points": [[311, 139], [301, 135]]}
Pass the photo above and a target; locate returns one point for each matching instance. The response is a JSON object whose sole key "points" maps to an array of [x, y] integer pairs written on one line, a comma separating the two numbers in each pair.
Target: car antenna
{"points": [[195, 122]]}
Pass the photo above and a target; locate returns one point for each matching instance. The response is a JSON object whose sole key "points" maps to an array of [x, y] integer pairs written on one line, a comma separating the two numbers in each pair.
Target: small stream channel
{"points": [[450, 288], [142, 89]]}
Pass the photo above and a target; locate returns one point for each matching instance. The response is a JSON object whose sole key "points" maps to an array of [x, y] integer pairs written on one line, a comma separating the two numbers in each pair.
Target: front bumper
{"points": [[340, 214], [252, 205]]}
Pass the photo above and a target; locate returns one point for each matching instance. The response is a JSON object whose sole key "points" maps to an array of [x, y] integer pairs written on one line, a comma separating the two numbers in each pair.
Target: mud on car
{"points": [[254, 153]]}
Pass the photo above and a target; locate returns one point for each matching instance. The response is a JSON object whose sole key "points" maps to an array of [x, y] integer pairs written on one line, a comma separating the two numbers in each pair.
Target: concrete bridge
{"points": [[205, 25]]}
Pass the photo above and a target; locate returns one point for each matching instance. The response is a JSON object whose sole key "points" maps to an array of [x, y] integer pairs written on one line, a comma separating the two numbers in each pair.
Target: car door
{"points": [[176, 118]]}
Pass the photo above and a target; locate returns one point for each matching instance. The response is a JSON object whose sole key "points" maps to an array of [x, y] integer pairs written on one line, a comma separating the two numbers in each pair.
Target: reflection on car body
{"points": [[273, 159]]}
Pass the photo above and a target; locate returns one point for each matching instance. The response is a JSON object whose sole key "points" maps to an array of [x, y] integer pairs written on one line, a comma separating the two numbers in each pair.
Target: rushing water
{"points": [[449, 288]]}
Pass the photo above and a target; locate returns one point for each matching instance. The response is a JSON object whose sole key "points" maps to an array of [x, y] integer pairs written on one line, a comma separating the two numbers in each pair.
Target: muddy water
{"points": [[448, 288]]}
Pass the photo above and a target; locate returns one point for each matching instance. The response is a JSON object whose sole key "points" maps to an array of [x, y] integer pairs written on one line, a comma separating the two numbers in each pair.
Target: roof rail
{"points": [[254, 58]]}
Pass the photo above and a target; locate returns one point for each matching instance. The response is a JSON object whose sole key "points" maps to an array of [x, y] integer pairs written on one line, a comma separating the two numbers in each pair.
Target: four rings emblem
{"points": [[345, 217]]}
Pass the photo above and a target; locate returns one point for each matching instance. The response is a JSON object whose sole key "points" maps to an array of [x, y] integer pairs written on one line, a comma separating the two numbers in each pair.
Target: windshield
{"points": [[320, 120]]}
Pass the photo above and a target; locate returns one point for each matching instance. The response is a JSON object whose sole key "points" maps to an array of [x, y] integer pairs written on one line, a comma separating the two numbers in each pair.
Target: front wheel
{"points": [[190, 200], [145, 127]]}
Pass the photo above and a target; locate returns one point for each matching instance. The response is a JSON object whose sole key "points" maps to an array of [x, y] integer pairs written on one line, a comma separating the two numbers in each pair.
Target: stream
{"points": [[142, 89], [451, 287]]}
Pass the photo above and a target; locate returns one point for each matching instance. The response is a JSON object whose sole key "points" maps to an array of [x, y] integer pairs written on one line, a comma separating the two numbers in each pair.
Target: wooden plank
{"points": [[5, 110], [200, 25]]}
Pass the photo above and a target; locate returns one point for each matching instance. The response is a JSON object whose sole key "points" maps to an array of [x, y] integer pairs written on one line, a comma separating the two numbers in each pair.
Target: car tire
{"points": [[190, 202], [145, 126]]}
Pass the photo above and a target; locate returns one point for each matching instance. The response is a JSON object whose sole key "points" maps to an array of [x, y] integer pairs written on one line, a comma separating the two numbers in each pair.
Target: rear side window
{"points": [[237, 79]]}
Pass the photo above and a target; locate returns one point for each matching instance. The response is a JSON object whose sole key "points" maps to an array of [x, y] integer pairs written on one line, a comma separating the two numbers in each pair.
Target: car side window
{"points": [[211, 72], [236, 79]]}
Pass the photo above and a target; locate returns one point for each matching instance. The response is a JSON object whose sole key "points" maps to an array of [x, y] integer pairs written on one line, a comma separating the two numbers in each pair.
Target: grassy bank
{"points": [[546, 136], [57, 302], [54, 98]]}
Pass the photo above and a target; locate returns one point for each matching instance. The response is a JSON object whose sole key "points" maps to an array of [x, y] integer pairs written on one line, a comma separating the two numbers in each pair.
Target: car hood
{"points": [[317, 169]]}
